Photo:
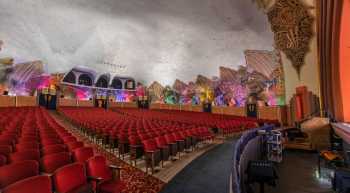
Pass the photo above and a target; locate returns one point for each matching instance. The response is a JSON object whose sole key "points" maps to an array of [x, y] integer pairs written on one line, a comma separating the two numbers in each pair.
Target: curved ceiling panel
{"points": [[154, 39]]}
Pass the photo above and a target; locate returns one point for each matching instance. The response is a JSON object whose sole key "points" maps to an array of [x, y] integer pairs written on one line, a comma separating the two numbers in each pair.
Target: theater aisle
{"points": [[209, 173]]}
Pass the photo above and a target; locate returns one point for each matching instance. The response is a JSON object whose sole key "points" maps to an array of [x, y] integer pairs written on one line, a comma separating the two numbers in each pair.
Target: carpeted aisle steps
{"points": [[209, 173]]}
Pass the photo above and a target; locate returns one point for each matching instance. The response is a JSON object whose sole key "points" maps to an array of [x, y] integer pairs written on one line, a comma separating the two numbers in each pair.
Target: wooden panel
{"points": [[155, 106], [87, 103], [7, 101], [273, 113], [186, 107], [176, 107], [115, 104], [26, 101], [197, 108], [62, 102], [130, 105], [236, 111], [217, 110]]}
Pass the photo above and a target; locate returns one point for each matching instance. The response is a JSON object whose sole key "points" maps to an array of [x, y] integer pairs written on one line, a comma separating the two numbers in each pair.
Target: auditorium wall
{"points": [[26, 101], [18, 101]]}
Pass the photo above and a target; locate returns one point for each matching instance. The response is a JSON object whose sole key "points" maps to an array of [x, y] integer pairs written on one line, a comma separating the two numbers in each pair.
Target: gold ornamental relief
{"points": [[291, 24]]}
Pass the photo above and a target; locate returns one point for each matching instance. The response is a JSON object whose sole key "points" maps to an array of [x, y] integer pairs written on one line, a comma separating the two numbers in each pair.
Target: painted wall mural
{"points": [[260, 79]]}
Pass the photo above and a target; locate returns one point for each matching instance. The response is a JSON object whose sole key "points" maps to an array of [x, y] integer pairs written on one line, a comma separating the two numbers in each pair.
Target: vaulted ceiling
{"points": [[154, 39]]}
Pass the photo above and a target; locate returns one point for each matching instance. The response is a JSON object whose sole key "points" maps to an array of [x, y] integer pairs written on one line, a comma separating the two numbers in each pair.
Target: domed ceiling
{"points": [[161, 40]]}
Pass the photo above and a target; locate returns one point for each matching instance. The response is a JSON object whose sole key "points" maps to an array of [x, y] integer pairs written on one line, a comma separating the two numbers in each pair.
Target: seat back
{"points": [[26, 146], [69, 177], [97, 167], [74, 145], [149, 145], [52, 162], [36, 184], [6, 150], [51, 149], [160, 141], [25, 155], [17, 171], [3, 160], [69, 139], [83, 153]]}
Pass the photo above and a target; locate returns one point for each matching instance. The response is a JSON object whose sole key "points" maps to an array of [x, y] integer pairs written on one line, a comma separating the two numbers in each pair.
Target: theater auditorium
{"points": [[175, 96]]}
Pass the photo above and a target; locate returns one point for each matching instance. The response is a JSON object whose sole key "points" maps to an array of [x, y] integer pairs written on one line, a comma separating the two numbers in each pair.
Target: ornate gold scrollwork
{"points": [[292, 26]]}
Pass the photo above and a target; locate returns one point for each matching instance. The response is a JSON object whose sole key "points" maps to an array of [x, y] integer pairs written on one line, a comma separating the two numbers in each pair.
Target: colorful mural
{"points": [[261, 79]]}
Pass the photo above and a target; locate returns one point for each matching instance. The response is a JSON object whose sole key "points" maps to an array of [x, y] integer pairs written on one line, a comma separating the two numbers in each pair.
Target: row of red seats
{"points": [[132, 135], [33, 143]]}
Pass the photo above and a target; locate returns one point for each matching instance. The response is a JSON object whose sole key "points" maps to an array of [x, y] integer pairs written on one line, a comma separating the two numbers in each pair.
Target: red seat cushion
{"points": [[3, 160], [83, 153], [36, 184], [70, 178], [51, 149], [25, 155], [17, 171], [54, 161], [97, 167]]}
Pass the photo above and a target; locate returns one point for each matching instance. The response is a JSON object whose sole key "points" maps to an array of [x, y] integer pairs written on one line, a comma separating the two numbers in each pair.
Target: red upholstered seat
{"points": [[6, 150], [17, 171], [9, 142], [74, 145], [83, 153], [97, 167], [36, 184], [72, 179], [69, 139], [54, 149], [50, 141], [52, 162], [27, 146], [25, 155], [3, 160]]}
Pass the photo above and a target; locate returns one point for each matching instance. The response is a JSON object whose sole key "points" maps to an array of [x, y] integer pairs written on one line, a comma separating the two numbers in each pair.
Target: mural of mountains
{"points": [[179, 86], [156, 91], [227, 74], [203, 81]]}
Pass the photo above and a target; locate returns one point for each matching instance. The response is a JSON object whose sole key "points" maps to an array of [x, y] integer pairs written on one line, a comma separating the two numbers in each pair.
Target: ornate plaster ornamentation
{"points": [[292, 27]]}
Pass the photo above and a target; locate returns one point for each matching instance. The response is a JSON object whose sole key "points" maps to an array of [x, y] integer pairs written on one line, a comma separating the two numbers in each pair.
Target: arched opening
{"points": [[102, 82], [70, 78], [85, 79], [117, 83]]}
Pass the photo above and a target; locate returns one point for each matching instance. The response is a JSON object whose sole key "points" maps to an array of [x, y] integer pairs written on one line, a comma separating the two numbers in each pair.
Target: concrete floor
{"points": [[298, 174]]}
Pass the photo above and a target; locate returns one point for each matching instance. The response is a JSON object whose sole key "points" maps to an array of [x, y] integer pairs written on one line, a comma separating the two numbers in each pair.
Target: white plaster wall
{"points": [[155, 39]]}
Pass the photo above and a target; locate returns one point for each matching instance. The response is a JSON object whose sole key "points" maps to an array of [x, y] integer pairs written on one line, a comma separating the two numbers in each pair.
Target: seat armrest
{"points": [[135, 145], [47, 174], [114, 167], [116, 171], [95, 179], [149, 151]]}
